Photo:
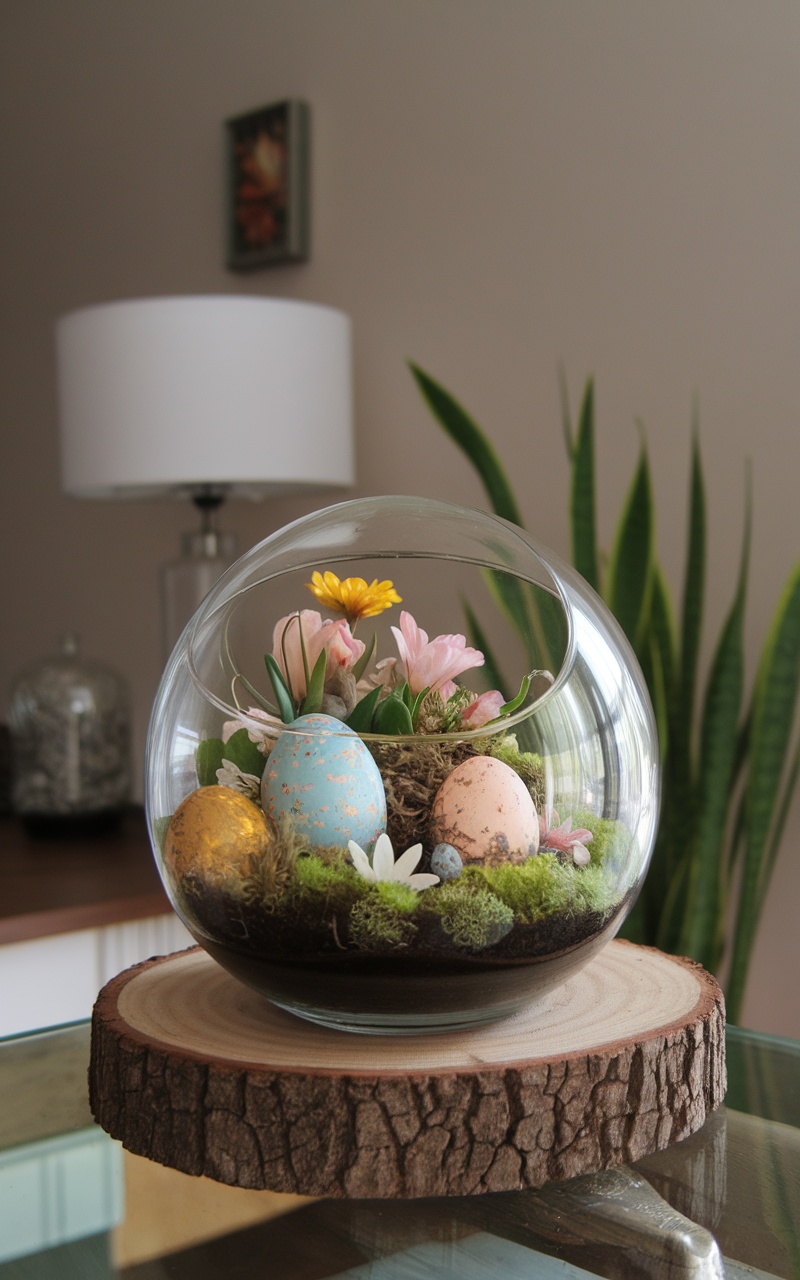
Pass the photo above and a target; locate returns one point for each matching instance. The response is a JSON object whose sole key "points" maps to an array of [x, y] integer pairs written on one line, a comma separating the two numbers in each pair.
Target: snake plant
{"points": [[730, 756]]}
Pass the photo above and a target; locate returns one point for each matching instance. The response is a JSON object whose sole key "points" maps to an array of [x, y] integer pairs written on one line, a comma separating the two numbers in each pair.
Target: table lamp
{"points": [[206, 398]]}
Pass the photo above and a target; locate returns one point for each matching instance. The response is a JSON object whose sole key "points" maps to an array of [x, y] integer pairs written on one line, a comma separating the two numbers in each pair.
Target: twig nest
{"points": [[485, 811], [217, 836]]}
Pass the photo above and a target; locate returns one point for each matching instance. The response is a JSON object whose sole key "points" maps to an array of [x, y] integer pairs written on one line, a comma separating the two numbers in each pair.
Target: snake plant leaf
{"points": [[721, 711], [479, 640], [661, 655], [537, 617], [280, 689], [692, 603], [566, 416], [774, 708], [629, 573], [582, 494], [472, 441]]}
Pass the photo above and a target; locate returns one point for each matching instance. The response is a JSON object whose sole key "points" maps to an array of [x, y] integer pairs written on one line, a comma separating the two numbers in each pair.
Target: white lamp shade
{"points": [[253, 395]]}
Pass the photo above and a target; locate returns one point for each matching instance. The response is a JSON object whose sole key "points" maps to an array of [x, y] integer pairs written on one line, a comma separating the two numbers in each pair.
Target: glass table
{"points": [[725, 1202]]}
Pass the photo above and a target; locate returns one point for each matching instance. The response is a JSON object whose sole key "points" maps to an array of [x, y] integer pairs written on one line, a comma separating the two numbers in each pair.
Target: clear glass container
{"points": [[438, 820], [69, 721]]}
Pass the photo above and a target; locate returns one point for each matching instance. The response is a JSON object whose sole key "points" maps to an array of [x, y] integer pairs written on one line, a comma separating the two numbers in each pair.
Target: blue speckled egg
{"points": [[446, 862], [322, 776]]}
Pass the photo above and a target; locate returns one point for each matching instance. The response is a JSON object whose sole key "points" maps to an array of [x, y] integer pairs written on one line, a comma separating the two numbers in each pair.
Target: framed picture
{"points": [[267, 177]]}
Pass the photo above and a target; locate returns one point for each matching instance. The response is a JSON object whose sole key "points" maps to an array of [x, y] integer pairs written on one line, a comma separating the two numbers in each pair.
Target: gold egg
{"points": [[216, 836]]}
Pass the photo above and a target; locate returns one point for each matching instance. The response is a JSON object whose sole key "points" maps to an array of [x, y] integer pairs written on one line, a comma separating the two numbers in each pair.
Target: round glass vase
{"points": [[347, 814]]}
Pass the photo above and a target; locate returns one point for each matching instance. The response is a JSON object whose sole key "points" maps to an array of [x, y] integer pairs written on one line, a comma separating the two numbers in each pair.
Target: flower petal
{"points": [[383, 858], [406, 863], [360, 861], [422, 880]]}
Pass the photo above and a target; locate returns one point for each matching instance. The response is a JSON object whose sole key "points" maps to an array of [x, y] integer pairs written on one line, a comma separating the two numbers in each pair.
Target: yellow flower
{"points": [[354, 597]]}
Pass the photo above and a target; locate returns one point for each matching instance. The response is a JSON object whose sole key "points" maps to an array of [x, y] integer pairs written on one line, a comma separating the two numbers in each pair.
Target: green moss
{"points": [[544, 885], [472, 916], [375, 924], [396, 896], [611, 840], [327, 885]]}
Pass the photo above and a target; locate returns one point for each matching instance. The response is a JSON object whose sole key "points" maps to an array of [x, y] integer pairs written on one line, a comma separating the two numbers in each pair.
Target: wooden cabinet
{"points": [[73, 912]]}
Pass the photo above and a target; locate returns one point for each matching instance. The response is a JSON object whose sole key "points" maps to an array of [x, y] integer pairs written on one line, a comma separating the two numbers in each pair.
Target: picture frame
{"points": [[267, 176]]}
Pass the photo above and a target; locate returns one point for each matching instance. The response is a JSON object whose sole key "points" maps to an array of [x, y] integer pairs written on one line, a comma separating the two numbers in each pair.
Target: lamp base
{"points": [[185, 582]]}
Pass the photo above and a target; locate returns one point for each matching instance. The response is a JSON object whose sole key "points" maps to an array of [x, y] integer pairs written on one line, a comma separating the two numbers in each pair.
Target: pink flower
{"points": [[485, 708], [333, 635], [432, 664], [562, 839]]}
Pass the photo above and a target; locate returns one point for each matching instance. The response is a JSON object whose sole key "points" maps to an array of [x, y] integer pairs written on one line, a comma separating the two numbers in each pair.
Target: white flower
{"points": [[262, 728], [384, 867], [230, 775]]}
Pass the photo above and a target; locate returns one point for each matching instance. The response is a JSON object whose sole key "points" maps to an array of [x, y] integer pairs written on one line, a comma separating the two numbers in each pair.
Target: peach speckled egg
{"points": [[484, 810]]}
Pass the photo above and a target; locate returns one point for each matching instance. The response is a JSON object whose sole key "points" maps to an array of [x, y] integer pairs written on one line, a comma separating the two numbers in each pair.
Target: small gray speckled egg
{"points": [[446, 862]]}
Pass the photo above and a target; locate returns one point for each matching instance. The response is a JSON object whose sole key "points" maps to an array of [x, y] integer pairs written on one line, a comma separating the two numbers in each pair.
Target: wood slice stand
{"points": [[196, 1071]]}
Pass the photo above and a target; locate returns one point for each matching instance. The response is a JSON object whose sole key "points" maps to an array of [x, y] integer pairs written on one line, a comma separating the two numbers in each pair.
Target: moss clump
{"points": [[473, 917], [376, 925], [324, 887], [611, 840], [544, 885]]}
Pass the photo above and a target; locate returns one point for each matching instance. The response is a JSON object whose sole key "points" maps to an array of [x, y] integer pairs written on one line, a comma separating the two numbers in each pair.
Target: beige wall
{"points": [[498, 186]]}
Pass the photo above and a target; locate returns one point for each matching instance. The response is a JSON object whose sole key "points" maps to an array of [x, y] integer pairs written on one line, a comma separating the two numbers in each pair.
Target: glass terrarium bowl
{"points": [[355, 814]]}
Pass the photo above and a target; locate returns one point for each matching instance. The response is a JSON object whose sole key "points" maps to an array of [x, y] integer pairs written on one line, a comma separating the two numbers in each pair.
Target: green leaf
{"points": [[416, 703], [361, 716], [244, 753], [718, 736], [208, 758], [692, 605], [534, 616], [566, 416], [472, 441], [774, 707], [392, 716], [282, 695], [537, 616], [631, 561], [479, 640], [582, 494], [509, 707], [363, 662], [658, 656], [312, 702]]}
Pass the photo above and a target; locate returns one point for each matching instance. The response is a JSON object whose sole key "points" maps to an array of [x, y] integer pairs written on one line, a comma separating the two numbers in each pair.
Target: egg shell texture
{"points": [[217, 837], [321, 775], [484, 810]]}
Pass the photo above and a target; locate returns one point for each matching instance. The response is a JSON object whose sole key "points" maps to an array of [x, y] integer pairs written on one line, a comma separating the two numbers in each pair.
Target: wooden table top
{"points": [[57, 885]]}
